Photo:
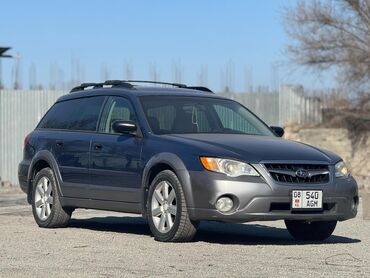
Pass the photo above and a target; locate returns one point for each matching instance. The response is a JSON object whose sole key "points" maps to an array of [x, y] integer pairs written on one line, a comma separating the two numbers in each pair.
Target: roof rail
{"points": [[156, 82], [200, 88], [118, 83], [83, 86], [127, 84]]}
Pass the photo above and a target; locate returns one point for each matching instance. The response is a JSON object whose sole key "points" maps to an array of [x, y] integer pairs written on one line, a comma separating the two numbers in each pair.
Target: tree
{"points": [[331, 34]]}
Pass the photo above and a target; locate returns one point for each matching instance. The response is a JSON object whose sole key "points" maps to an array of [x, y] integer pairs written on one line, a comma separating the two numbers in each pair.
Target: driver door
{"points": [[115, 158]]}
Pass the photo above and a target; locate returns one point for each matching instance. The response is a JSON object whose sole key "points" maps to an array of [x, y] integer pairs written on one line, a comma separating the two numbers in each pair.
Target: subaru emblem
{"points": [[302, 173]]}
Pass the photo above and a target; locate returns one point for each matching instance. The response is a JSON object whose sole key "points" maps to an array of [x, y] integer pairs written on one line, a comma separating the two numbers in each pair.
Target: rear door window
{"points": [[74, 114]]}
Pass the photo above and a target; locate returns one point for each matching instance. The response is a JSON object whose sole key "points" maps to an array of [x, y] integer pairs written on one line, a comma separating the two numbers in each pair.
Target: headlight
{"points": [[231, 168], [341, 170]]}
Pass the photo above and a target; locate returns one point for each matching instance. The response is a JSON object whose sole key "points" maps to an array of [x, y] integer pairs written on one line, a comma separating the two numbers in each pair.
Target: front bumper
{"points": [[261, 198]]}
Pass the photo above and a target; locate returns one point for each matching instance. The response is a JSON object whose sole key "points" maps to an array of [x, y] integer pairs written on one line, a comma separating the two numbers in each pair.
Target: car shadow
{"points": [[210, 232]]}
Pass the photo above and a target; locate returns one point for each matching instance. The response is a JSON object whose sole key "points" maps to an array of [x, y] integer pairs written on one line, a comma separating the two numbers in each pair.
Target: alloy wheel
{"points": [[43, 198], [164, 206]]}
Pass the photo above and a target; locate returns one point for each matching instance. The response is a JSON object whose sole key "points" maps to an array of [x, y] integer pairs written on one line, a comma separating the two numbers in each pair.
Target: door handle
{"points": [[98, 147], [59, 143]]}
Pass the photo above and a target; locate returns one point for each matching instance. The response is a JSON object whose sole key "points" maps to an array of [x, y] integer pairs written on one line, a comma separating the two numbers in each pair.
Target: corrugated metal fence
{"points": [[295, 106], [289, 105], [265, 105], [20, 111]]}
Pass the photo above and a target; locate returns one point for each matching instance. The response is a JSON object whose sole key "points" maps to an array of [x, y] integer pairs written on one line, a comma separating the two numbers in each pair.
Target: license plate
{"points": [[306, 199]]}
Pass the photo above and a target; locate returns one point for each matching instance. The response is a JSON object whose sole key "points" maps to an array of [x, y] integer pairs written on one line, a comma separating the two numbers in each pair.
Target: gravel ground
{"points": [[108, 244]]}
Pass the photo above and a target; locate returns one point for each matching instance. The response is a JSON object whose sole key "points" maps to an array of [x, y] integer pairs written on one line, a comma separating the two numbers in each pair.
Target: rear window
{"points": [[74, 114]]}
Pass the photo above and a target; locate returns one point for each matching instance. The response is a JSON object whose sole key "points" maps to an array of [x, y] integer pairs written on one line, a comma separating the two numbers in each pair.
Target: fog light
{"points": [[224, 204]]}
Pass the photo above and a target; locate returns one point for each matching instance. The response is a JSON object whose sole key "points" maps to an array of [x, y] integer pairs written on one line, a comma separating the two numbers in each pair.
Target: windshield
{"points": [[184, 115]]}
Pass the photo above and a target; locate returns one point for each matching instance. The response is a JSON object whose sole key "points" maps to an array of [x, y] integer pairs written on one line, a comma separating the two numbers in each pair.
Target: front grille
{"points": [[287, 173]]}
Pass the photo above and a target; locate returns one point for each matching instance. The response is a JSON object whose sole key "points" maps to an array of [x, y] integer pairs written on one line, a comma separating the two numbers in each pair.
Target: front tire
{"points": [[167, 212], [310, 231], [46, 207]]}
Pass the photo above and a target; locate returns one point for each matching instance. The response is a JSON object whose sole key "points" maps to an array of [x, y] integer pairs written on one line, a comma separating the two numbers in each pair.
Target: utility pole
{"points": [[17, 72], [228, 77], [128, 71], [177, 72], [153, 72], [275, 77], [248, 76], [32, 77], [203, 76], [104, 72], [3, 55]]}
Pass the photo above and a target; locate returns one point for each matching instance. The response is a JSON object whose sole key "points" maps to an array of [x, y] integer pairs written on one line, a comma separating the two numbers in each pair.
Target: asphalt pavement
{"points": [[109, 244]]}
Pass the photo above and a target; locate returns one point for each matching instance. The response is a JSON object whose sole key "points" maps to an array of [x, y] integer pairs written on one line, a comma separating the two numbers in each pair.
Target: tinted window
{"points": [[116, 108], [161, 117], [74, 114], [201, 119], [179, 115], [231, 119]]}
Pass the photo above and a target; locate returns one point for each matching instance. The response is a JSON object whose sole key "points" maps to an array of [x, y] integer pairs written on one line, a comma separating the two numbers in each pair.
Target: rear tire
{"points": [[46, 207], [310, 231], [167, 212]]}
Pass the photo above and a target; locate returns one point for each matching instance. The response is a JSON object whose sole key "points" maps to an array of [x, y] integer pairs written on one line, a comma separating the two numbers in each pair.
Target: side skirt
{"points": [[101, 205]]}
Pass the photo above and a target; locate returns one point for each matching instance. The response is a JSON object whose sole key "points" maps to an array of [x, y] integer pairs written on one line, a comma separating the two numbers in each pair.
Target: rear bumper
{"points": [[23, 176], [259, 199]]}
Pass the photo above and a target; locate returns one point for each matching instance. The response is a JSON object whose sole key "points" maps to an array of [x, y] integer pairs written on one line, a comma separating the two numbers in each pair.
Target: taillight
{"points": [[27, 139]]}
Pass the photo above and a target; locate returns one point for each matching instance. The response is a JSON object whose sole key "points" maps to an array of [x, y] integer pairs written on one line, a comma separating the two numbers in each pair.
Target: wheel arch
{"points": [[161, 162], [40, 161]]}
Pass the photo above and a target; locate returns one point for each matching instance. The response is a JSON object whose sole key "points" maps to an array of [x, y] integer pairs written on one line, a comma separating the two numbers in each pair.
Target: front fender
{"points": [[179, 168]]}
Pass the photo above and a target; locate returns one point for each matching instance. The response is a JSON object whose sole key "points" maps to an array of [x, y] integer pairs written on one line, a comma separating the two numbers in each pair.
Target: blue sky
{"points": [[247, 37]]}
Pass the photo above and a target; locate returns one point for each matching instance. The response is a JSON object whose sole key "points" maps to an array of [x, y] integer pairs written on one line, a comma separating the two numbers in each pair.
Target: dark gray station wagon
{"points": [[178, 155]]}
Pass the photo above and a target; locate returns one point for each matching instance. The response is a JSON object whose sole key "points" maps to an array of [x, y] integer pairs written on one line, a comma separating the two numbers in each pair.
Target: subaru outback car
{"points": [[178, 155]]}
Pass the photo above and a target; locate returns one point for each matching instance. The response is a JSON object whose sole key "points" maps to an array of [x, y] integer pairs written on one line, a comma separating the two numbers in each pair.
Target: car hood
{"points": [[255, 148]]}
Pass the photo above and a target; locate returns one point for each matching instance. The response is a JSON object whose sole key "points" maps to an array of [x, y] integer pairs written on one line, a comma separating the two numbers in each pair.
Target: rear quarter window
{"points": [[74, 114]]}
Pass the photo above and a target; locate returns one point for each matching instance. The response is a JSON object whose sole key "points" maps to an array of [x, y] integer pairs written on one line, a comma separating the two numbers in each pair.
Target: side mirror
{"points": [[279, 131], [124, 126]]}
